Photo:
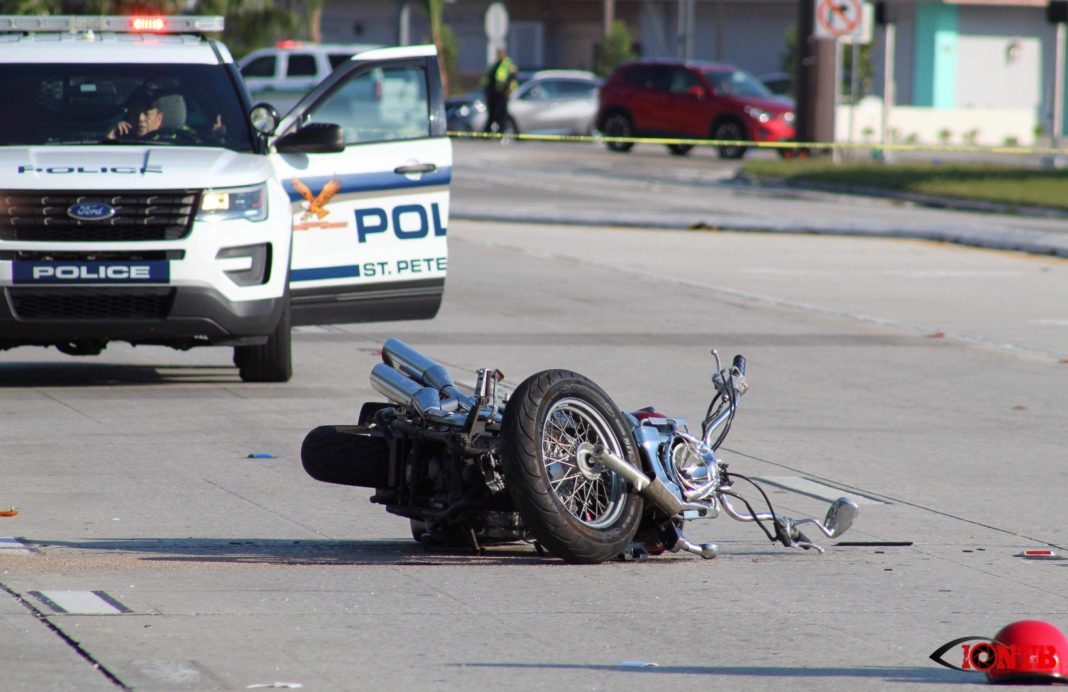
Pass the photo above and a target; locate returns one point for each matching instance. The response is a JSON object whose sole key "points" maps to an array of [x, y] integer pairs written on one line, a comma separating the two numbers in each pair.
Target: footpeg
{"points": [[705, 550]]}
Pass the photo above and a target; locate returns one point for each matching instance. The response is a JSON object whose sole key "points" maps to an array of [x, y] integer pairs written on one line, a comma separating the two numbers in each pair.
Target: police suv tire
{"points": [[545, 492], [271, 361]]}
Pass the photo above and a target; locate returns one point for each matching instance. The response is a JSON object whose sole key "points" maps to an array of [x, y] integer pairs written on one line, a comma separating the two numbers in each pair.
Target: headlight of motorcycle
{"points": [[757, 113], [249, 203]]}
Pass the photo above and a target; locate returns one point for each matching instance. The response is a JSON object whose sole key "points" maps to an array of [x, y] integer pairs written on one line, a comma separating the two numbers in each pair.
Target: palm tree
{"points": [[434, 10]]}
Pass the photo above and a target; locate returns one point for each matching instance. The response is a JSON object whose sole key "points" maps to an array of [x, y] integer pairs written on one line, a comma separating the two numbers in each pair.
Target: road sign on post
{"points": [[865, 32], [496, 30], [838, 18]]}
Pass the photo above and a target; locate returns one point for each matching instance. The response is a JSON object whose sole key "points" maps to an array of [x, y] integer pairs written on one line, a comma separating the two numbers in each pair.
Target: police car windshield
{"points": [[182, 105]]}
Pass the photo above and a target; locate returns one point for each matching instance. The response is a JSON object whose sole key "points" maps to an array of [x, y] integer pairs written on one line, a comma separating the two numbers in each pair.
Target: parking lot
{"points": [[926, 380]]}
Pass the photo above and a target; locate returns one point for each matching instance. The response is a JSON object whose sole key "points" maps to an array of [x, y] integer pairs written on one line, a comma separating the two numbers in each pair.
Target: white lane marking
{"points": [[81, 602], [813, 488], [12, 546]]}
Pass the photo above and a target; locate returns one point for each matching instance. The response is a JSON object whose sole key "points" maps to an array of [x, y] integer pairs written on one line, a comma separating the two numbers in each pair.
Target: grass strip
{"points": [[1002, 184]]}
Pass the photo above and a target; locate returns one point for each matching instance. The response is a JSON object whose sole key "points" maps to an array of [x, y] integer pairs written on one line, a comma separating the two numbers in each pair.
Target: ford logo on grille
{"points": [[90, 211]]}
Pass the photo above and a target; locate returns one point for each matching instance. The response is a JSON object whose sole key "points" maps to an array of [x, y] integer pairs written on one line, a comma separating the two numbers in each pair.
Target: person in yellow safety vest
{"points": [[499, 82]]}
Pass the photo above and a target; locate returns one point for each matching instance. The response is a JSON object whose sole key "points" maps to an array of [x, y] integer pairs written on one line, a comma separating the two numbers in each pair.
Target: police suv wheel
{"points": [[271, 361]]}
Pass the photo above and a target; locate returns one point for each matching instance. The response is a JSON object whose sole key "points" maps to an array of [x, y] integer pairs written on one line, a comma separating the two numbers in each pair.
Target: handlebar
{"points": [[839, 518], [739, 364]]}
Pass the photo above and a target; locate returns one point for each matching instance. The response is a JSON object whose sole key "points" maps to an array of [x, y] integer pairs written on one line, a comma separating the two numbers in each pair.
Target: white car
{"points": [[280, 75], [222, 225]]}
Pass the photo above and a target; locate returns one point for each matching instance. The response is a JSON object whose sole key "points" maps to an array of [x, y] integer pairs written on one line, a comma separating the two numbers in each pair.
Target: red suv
{"points": [[698, 100]]}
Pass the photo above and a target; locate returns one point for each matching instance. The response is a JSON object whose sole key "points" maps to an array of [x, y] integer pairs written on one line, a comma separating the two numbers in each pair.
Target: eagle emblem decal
{"points": [[316, 204]]}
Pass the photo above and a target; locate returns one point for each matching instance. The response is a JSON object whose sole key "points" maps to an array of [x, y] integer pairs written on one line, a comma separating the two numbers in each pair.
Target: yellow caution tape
{"points": [[793, 146]]}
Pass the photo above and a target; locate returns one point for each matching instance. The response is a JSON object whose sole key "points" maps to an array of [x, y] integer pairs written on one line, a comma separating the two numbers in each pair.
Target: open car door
{"points": [[369, 222]]}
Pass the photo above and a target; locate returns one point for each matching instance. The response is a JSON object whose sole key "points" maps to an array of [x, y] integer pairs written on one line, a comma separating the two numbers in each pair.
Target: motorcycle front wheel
{"points": [[579, 510]]}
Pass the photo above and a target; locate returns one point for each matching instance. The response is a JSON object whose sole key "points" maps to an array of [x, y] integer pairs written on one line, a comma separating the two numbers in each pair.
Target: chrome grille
{"points": [[42, 216]]}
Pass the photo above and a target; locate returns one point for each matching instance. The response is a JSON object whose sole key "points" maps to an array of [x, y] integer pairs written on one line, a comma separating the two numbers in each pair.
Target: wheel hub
{"points": [[586, 466]]}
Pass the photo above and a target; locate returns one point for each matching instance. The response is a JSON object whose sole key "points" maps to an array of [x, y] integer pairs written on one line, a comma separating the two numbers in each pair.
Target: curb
{"points": [[1027, 241], [955, 203]]}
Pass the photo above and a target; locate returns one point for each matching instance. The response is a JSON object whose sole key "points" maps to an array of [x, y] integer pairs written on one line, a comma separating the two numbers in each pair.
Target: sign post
{"points": [[496, 26], [1059, 160], [862, 37], [842, 21]]}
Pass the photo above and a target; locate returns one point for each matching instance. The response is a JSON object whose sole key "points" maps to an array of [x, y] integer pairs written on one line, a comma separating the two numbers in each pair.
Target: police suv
{"points": [[143, 199]]}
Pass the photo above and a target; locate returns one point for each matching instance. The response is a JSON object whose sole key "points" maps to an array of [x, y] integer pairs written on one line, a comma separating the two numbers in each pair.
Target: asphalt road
{"points": [[926, 380], [563, 183]]}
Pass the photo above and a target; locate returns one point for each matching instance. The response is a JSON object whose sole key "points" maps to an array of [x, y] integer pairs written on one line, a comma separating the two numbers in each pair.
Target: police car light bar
{"points": [[144, 24]]}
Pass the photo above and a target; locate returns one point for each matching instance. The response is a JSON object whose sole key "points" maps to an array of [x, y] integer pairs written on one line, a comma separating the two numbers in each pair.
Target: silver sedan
{"points": [[550, 101]]}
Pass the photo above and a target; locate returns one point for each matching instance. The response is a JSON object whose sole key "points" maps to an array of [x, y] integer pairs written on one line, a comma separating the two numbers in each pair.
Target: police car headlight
{"points": [[248, 203]]}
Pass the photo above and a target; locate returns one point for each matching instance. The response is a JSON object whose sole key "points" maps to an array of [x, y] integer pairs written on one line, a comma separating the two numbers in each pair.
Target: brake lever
{"points": [[790, 536], [802, 541]]}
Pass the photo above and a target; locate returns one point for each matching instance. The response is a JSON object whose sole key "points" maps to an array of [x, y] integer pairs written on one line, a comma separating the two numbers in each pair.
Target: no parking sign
{"points": [[838, 18]]}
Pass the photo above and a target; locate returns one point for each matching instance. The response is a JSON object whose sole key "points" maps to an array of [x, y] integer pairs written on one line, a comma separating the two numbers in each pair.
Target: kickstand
{"points": [[475, 547]]}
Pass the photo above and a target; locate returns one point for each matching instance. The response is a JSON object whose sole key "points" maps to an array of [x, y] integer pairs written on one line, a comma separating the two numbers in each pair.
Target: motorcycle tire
{"points": [[347, 455], [580, 511]]}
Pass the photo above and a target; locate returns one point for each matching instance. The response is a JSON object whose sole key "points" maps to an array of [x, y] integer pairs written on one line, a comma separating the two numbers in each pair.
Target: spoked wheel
{"points": [[619, 125], [581, 511]]}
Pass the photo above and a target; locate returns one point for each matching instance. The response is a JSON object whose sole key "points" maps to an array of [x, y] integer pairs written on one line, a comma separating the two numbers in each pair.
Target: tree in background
{"points": [[865, 71], [616, 49], [435, 10], [789, 60], [450, 54], [314, 8], [251, 24]]}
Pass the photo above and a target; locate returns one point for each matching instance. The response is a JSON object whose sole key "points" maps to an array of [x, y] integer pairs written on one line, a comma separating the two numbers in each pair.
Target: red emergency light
{"points": [[148, 24]]}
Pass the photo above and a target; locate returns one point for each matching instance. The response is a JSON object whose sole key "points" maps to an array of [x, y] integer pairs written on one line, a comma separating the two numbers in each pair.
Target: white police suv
{"points": [[143, 199]]}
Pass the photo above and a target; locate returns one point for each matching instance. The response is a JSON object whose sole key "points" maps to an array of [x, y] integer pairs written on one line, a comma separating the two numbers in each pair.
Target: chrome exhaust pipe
{"points": [[651, 489], [401, 389], [414, 364], [394, 385]]}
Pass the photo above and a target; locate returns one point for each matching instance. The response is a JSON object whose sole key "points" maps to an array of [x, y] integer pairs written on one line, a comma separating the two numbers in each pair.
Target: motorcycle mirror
{"points": [[840, 516]]}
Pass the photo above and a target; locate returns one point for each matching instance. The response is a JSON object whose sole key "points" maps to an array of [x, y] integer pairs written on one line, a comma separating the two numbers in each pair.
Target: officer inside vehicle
{"points": [[152, 119]]}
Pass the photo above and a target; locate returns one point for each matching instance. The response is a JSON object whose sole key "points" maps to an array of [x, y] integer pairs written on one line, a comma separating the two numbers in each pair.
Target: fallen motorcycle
{"points": [[558, 463]]}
